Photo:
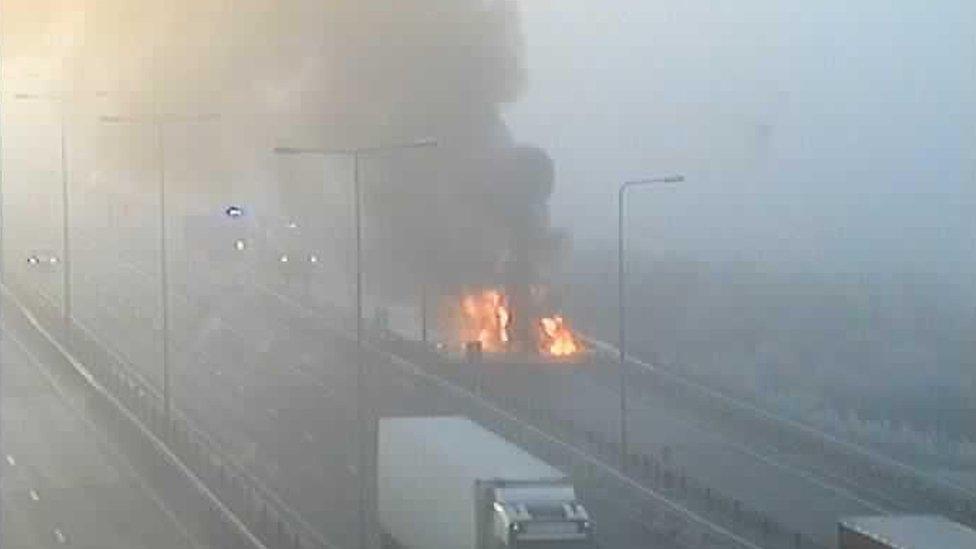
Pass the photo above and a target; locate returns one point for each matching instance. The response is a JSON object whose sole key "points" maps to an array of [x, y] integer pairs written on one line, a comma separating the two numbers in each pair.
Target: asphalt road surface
{"points": [[64, 484], [279, 395], [272, 377], [273, 381]]}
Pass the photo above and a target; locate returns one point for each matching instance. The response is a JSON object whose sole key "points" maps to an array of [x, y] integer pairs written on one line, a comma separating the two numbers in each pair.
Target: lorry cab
{"points": [[537, 514]]}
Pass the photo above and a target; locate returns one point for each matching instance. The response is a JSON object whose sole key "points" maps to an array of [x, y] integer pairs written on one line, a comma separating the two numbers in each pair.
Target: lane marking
{"points": [[406, 379], [768, 459], [809, 476], [790, 469], [33, 495], [52, 381], [326, 390], [59, 535], [766, 414], [413, 369], [803, 475], [606, 347], [791, 423], [418, 371], [11, 460], [201, 486]]}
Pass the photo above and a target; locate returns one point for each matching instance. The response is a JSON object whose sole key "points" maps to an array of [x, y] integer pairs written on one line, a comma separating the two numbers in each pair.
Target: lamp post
{"points": [[423, 312], [621, 304], [65, 205], [361, 411], [157, 121]]}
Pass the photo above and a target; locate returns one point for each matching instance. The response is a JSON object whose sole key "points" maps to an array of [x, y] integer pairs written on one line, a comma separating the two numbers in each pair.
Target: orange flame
{"points": [[487, 319], [557, 339]]}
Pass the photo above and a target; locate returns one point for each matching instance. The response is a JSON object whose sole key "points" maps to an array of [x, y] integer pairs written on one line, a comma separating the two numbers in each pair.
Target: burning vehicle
{"points": [[490, 321]]}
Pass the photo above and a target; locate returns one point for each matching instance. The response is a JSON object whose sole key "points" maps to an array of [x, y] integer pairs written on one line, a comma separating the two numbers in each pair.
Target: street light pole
{"points": [[363, 415], [423, 311], [163, 264], [358, 200], [621, 304], [65, 205], [157, 121], [361, 419], [66, 233]]}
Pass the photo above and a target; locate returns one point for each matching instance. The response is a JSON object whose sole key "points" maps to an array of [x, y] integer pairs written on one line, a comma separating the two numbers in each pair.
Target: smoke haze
{"points": [[339, 74]]}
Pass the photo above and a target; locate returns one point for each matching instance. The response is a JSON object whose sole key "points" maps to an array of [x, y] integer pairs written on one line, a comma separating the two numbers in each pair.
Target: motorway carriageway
{"points": [[250, 367], [265, 394], [65, 484]]}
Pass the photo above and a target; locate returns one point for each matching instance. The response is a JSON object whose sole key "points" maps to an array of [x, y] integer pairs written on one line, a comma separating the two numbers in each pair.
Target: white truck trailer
{"points": [[448, 483]]}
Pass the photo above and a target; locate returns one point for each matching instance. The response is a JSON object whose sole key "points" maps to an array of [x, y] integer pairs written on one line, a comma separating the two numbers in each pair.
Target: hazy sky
{"points": [[808, 127], [796, 122]]}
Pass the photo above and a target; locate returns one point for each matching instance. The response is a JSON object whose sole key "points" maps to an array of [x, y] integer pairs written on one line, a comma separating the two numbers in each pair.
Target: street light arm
{"points": [[21, 96], [665, 179], [289, 150], [119, 119], [422, 143]]}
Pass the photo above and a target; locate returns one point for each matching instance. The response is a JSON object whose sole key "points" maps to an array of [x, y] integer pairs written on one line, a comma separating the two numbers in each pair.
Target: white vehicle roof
{"points": [[462, 447], [914, 531], [426, 474]]}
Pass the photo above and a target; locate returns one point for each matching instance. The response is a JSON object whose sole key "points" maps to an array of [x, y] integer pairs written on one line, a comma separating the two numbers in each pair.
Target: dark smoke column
{"points": [[331, 74], [344, 74], [473, 212]]}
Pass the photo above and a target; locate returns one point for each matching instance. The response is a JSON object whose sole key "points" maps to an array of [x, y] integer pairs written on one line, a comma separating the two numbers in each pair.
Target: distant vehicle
{"points": [[448, 483], [902, 532]]}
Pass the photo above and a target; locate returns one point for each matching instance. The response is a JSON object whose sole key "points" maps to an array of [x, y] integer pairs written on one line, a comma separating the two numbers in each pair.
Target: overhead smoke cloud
{"points": [[349, 73]]}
